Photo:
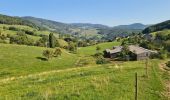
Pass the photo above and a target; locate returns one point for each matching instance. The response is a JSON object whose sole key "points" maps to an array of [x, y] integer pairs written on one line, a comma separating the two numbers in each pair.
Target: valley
{"points": [[47, 60]]}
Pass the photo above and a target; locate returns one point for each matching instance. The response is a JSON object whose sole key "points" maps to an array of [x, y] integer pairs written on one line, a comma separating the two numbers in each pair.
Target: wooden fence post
{"points": [[136, 86], [146, 67]]}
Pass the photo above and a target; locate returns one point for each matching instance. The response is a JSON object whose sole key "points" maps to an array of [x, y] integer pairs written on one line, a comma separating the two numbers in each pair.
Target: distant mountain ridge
{"points": [[55, 25], [86, 29], [59, 26], [76, 29], [89, 25], [49, 24], [131, 26]]}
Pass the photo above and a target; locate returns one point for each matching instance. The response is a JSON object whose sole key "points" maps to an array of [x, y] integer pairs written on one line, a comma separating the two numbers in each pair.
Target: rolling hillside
{"points": [[65, 28], [10, 20], [26, 75], [51, 25], [17, 60], [137, 26], [13, 30], [32, 60], [87, 29], [157, 27], [55, 79], [81, 30]]}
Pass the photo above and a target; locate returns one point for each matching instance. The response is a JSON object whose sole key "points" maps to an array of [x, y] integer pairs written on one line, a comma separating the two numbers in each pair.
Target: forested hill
{"points": [[157, 27], [4, 19], [89, 25], [70, 28], [49, 24], [137, 26]]}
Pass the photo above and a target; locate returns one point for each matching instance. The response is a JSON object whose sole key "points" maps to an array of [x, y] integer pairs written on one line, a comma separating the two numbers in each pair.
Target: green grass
{"points": [[24, 76], [92, 49], [104, 82], [165, 32], [23, 60], [18, 60]]}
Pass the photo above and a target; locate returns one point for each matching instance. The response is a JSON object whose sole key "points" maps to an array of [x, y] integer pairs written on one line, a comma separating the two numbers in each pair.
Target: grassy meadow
{"points": [[106, 82], [90, 50], [25, 76], [18, 60]]}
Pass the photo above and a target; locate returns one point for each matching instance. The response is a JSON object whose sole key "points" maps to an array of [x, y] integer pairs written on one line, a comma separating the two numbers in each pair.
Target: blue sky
{"points": [[108, 12]]}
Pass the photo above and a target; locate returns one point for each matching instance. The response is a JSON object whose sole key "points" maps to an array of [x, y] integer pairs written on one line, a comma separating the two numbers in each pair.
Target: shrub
{"points": [[168, 64], [98, 49], [21, 38], [72, 47], [125, 54], [101, 60], [14, 28], [3, 37], [48, 54], [29, 32], [98, 55], [57, 52], [5, 28], [163, 54], [42, 42]]}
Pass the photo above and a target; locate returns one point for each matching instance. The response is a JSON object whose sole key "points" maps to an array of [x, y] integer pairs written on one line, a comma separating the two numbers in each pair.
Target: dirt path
{"points": [[162, 66], [7, 80]]}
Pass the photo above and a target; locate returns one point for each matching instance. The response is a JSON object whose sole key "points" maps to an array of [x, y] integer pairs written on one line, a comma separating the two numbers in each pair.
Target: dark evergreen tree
{"points": [[52, 40]]}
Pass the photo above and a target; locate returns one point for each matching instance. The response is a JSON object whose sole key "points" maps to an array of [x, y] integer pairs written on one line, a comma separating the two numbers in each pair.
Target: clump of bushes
{"points": [[13, 28], [100, 59], [29, 32], [3, 38], [72, 47], [21, 38], [42, 42], [49, 53]]}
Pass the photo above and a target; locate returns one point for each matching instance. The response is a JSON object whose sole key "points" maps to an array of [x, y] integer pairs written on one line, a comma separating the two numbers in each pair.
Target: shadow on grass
{"points": [[42, 59]]}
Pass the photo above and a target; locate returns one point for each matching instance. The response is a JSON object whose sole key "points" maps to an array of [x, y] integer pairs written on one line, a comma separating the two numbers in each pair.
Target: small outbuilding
{"points": [[139, 52]]}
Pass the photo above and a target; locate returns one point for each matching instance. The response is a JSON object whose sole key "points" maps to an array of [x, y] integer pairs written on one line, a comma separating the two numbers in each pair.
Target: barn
{"points": [[141, 53]]}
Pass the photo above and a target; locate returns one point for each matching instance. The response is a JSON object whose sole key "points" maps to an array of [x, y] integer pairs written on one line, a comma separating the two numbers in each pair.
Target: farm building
{"points": [[139, 52]]}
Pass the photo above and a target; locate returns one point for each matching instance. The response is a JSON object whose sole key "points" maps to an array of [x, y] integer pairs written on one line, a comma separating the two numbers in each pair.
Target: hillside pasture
{"points": [[4, 29], [90, 50], [25, 75], [106, 82], [22, 60]]}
